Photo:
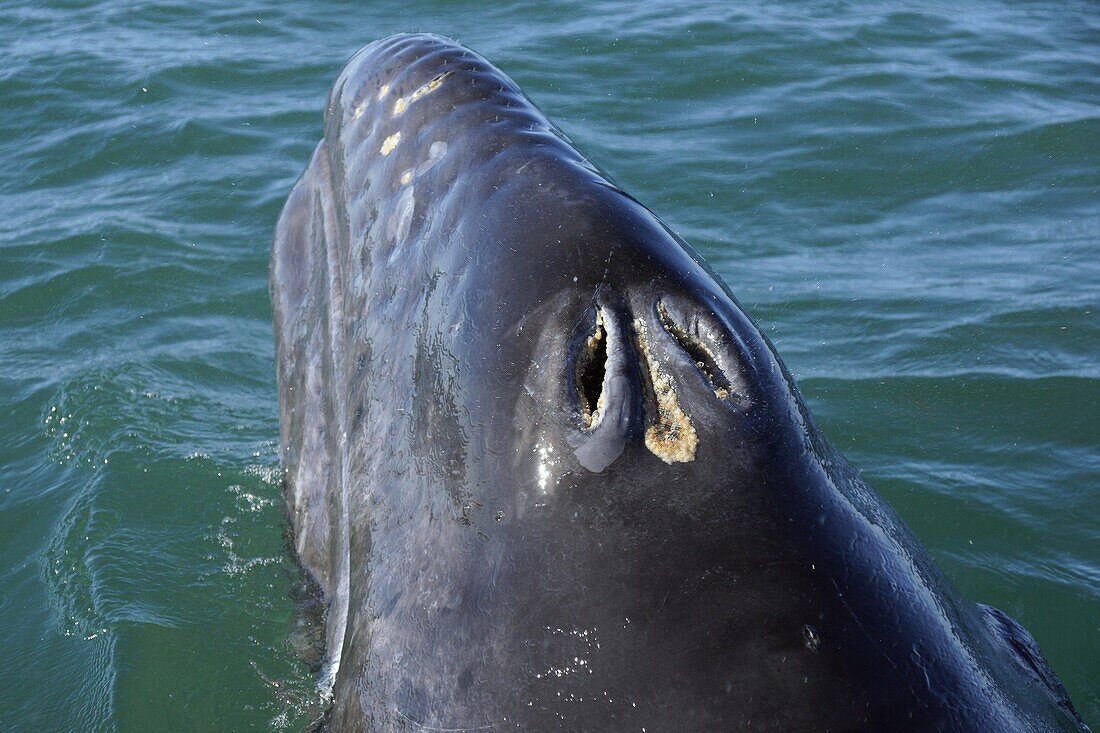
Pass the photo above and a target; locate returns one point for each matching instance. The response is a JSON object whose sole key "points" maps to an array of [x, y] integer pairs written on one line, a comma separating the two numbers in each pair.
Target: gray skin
{"points": [[549, 475]]}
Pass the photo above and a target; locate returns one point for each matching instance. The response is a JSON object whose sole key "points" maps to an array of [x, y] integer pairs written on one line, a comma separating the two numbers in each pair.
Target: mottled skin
{"points": [[493, 561]]}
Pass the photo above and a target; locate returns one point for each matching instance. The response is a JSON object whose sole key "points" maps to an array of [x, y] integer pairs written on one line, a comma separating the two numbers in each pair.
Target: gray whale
{"points": [[547, 473]]}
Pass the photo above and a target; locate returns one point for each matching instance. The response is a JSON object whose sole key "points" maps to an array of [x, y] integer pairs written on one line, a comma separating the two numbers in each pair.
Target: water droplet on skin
{"points": [[811, 637]]}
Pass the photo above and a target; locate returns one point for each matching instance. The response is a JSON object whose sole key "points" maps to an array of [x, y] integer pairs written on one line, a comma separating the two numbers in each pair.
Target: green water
{"points": [[907, 201]]}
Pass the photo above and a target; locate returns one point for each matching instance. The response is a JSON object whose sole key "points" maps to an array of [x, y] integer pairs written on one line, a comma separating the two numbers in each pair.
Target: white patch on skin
{"points": [[402, 104], [435, 154], [402, 220], [383, 91], [358, 111], [429, 87], [390, 143]]}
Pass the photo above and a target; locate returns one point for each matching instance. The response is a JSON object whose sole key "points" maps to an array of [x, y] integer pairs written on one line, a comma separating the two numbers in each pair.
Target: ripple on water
{"points": [[904, 198], [174, 542]]}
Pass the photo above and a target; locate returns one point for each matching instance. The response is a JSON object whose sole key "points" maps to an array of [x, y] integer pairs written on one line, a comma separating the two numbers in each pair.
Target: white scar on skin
{"points": [[401, 220], [429, 87], [383, 91], [402, 104], [435, 154], [390, 143]]}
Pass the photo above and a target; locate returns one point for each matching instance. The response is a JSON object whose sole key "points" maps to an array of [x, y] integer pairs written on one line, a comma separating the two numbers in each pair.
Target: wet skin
{"points": [[550, 476]]}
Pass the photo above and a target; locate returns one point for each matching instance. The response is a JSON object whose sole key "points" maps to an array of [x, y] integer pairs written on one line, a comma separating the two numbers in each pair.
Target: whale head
{"points": [[549, 474]]}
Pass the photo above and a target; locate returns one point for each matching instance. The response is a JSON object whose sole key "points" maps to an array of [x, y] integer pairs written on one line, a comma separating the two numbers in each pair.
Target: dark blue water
{"points": [[907, 201]]}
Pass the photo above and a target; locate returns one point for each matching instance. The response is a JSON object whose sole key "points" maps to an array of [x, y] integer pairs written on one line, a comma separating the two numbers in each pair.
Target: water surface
{"points": [[907, 202]]}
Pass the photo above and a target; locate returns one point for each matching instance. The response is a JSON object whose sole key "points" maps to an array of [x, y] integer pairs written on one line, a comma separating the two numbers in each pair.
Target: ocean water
{"points": [[907, 201]]}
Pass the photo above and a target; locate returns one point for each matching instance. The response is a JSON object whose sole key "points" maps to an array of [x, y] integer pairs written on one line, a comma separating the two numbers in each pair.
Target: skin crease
{"points": [[548, 474]]}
